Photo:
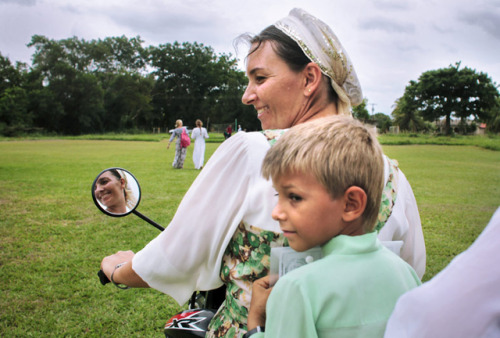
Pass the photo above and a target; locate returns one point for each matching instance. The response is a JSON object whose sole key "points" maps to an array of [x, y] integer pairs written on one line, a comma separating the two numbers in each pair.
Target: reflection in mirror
{"points": [[116, 192]]}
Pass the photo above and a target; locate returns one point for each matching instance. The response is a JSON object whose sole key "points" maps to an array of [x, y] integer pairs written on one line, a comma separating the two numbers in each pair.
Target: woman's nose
{"points": [[98, 188], [248, 96]]}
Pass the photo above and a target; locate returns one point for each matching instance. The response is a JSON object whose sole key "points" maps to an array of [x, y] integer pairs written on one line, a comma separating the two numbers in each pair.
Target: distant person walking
{"points": [[180, 152], [228, 132], [199, 134]]}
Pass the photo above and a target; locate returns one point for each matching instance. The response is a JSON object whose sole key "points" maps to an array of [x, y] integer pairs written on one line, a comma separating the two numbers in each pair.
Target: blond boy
{"points": [[329, 177]]}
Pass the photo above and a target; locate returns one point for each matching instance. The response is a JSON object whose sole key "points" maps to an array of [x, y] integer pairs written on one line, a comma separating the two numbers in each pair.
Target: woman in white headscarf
{"points": [[297, 71]]}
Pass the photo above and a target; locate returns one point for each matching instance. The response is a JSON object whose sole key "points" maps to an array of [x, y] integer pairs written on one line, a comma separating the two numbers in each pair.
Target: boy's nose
{"points": [[278, 214]]}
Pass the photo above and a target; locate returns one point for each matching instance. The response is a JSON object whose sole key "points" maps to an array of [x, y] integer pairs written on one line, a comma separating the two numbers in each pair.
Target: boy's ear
{"points": [[355, 203], [313, 77]]}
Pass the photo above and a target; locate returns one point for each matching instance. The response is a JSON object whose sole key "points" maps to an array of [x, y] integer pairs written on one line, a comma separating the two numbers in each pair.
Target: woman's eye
{"points": [[260, 79]]}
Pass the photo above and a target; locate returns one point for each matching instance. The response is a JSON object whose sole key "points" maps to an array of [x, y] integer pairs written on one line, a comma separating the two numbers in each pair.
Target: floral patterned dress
{"points": [[247, 259]]}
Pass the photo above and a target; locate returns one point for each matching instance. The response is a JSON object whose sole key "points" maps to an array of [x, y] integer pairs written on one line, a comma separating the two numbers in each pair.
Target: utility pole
{"points": [[373, 108]]}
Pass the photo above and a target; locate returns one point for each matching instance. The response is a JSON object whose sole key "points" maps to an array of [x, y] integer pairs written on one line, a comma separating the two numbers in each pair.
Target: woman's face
{"points": [[109, 191], [276, 92]]}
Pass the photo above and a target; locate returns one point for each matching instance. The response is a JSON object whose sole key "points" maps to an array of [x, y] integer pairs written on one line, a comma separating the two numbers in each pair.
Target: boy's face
{"points": [[307, 214]]}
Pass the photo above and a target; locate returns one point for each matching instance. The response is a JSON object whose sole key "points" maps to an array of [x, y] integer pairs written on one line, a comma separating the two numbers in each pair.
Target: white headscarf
{"points": [[322, 47]]}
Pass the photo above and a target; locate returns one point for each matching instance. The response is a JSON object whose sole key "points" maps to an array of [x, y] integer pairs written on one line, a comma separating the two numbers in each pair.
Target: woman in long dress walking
{"points": [[199, 134], [180, 152]]}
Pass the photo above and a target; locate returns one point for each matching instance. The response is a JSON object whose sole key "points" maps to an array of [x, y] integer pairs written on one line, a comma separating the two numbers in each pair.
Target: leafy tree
{"points": [[113, 55], [193, 82], [184, 80], [128, 103], [10, 75], [493, 124], [14, 115], [451, 92], [76, 86], [382, 121], [77, 73], [360, 111], [406, 114], [116, 55], [229, 107], [82, 100], [47, 111]]}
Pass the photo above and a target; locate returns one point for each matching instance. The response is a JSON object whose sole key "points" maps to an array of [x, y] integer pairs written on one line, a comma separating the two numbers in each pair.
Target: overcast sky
{"points": [[389, 41]]}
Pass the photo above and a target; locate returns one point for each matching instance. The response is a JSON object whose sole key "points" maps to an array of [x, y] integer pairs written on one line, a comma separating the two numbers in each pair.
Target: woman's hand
{"points": [[108, 263], [124, 274], [260, 293]]}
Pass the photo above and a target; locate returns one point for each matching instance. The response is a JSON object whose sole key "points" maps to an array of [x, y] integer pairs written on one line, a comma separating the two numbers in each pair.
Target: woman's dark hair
{"points": [[287, 49], [284, 46], [115, 173]]}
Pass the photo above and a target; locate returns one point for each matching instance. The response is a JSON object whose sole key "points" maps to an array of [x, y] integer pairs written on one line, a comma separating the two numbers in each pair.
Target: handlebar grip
{"points": [[103, 278]]}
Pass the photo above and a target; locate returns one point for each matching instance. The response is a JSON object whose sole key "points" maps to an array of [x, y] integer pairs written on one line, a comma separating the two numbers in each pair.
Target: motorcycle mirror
{"points": [[116, 192]]}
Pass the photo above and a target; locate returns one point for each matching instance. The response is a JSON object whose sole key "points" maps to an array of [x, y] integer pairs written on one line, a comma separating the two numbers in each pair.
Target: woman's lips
{"points": [[105, 196], [261, 111]]}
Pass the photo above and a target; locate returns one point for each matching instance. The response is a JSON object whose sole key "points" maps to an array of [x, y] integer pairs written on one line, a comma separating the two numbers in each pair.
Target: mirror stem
{"points": [[153, 223]]}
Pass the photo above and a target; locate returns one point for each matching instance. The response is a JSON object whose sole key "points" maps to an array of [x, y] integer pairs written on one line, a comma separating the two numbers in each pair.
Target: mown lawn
{"points": [[52, 237]]}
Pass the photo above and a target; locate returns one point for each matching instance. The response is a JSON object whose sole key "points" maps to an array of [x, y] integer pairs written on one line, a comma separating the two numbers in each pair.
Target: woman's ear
{"points": [[313, 77], [355, 204]]}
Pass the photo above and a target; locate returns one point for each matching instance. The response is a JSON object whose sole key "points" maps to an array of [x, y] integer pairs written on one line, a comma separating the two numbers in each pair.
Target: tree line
{"points": [[442, 94], [117, 85]]}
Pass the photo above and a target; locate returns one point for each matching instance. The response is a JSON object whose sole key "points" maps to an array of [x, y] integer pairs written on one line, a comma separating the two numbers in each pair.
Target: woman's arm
{"points": [[124, 274], [176, 133], [187, 256]]}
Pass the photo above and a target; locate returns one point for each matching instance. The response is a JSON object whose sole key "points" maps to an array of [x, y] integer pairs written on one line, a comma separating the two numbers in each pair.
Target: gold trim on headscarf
{"points": [[322, 47]]}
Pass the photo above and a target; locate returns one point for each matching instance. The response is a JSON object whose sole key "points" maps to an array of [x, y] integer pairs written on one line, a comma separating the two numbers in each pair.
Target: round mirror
{"points": [[116, 192]]}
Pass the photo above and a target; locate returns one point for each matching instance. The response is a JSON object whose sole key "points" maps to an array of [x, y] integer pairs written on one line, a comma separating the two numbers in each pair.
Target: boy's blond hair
{"points": [[339, 152]]}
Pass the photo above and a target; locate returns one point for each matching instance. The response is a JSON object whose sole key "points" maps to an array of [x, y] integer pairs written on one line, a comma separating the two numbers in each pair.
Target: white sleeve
{"points": [[187, 255], [404, 225], [462, 300]]}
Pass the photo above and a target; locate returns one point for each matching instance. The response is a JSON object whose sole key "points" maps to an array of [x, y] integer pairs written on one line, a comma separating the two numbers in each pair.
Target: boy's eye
{"points": [[295, 198]]}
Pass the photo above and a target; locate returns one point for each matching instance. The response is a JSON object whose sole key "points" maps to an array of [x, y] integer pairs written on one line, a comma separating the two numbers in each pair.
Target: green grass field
{"points": [[52, 237]]}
